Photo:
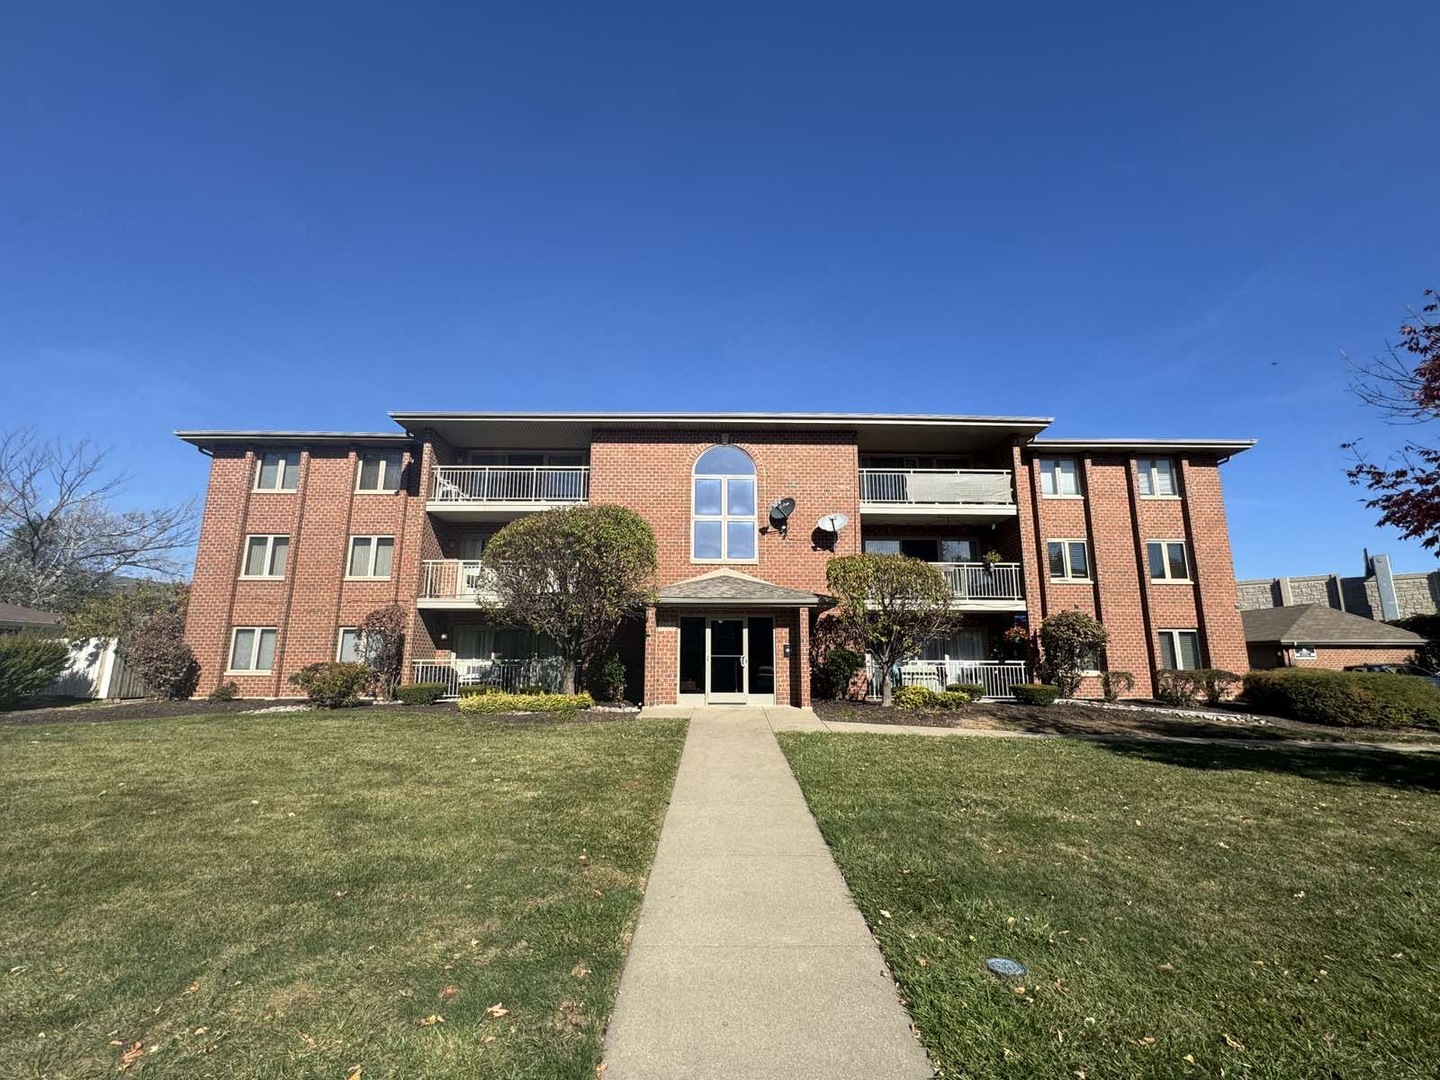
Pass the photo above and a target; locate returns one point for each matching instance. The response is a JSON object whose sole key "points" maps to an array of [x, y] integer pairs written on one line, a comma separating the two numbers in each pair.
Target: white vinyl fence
{"points": [[508, 675], [997, 676]]}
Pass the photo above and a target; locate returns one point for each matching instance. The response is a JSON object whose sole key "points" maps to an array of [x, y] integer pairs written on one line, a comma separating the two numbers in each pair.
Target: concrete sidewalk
{"points": [[750, 959]]}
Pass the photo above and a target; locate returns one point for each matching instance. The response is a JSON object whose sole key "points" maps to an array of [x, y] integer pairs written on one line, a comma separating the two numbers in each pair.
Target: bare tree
{"points": [[61, 542]]}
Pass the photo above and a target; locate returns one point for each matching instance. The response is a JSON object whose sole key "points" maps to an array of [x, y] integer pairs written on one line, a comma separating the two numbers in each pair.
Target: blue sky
{"points": [[1134, 219]]}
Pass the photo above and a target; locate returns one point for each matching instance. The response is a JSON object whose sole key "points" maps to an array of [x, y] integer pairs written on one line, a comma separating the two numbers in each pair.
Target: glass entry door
{"points": [[728, 666]]}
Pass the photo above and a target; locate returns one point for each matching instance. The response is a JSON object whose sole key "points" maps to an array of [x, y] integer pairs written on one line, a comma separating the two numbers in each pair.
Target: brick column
{"points": [[800, 693]]}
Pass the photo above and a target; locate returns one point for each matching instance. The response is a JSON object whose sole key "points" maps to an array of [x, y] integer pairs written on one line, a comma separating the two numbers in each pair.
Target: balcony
{"points": [[977, 495], [997, 676], [453, 583], [501, 492], [985, 587], [508, 675]]}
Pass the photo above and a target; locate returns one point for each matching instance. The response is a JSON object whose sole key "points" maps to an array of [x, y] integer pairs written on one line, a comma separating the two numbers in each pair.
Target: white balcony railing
{"points": [[937, 487], [546, 672], [984, 581], [454, 579], [997, 676], [511, 484]]}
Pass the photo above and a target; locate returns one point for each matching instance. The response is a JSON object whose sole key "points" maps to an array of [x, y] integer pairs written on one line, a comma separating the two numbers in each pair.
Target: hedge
{"points": [[1344, 698], [420, 693], [520, 703], [28, 666], [1035, 693]]}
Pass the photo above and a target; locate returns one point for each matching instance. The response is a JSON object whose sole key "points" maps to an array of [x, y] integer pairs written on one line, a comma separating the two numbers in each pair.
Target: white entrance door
{"points": [[728, 651]]}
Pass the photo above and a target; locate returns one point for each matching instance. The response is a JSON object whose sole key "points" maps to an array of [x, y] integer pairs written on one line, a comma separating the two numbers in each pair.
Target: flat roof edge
{"points": [[1227, 446], [401, 416], [212, 438]]}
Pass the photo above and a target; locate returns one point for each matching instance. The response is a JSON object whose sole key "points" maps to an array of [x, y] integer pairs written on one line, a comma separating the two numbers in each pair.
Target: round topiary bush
{"points": [[1035, 694]]}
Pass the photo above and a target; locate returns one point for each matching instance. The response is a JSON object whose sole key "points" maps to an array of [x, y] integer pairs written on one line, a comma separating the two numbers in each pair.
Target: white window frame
{"points": [[1050, 467], [725, 518], [1147, 475], [260, 631], [269, 561], [1303, 652], [374, 539], [1070, 578], [387, 458], [287, 473], [1175, 650], [1166, 578], [340, 644]]}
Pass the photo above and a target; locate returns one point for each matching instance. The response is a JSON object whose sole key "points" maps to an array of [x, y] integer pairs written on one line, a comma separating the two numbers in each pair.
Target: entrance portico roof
{"points": [[731, 588]]}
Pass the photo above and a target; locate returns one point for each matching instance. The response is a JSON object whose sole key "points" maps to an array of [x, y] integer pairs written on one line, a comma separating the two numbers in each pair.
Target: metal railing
{"points": [[984, 581], [454, 579], [937, 487], [997, 676], [511, 483], [547, 672]]}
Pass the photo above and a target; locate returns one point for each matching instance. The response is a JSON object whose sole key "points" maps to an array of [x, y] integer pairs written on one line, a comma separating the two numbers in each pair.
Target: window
{"points": [[1069, 560], [370, 556], [347, 649], [252, 650], [278, 470], [925, 548], [1179, 650], [1157, 478], [1168, 561], [379, 472], [723, 504], [1059, 477], [265, 556], [1306, 652]]}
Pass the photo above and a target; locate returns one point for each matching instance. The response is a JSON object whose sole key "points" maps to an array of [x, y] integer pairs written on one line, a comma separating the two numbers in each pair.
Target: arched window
{"points": [[723, 525]]}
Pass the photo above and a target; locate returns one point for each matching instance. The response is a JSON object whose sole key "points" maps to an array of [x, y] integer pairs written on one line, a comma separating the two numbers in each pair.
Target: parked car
{"points": [[1398, 669]]}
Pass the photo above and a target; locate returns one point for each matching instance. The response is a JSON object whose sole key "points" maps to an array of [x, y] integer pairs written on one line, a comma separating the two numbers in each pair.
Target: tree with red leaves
{"points": [[1404, 387]]}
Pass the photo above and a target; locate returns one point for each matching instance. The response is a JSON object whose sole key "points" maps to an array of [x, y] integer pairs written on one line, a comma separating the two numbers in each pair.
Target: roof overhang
{"points": [[1221, 448], [210, 440], [721, 603], [873, 431]]}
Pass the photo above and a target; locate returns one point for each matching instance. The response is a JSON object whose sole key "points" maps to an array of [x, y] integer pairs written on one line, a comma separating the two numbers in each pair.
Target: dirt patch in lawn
{"points": [[1062, 719]]}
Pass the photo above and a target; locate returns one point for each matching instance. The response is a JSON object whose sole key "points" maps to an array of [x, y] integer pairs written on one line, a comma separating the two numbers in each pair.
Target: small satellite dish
{"points": [[780, 511], [832, 523]]}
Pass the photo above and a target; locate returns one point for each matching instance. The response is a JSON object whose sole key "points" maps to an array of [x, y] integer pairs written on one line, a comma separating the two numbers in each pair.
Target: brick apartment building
{"points": [[304, 533]]}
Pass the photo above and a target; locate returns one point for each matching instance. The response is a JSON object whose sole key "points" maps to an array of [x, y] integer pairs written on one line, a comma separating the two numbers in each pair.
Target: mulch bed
{"points": [[95, 712], [1082, 720]]}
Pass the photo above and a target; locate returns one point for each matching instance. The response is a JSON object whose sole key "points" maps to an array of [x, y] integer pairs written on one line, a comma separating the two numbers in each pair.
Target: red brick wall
{"points": [[1271, 656], [313, 600], [650, 472], [1118, 523]]}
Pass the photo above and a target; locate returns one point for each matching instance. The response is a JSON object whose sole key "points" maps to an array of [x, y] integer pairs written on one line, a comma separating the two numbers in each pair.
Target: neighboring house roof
{"points": [[735, 588], [15, 617], [1320, 624]]}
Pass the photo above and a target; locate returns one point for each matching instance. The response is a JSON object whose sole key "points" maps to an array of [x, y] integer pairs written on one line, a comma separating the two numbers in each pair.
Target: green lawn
{"points": [[298, 895], [1184, 911]]}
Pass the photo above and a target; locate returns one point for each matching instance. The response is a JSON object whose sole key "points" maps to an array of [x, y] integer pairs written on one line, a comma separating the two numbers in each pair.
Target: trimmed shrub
{"points": [[224, 692], [1178, 687], [490, 704], [1344, 698], [1035, 693], [333, 685], [973, 690], [1216, 683], [913, 698], [831, 679], [1115, 683], [157, 652], [952, 699], [420, 693], [1070, 643], [28, 665], [607, 681]]}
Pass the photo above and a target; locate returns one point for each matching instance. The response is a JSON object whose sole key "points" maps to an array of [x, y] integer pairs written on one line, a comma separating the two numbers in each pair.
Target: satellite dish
{"points": [[780, 511], [832, 523]]}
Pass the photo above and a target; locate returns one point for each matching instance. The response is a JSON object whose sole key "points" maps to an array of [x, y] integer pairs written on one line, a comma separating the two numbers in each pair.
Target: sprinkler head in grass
{"points": [[1006, 968]]}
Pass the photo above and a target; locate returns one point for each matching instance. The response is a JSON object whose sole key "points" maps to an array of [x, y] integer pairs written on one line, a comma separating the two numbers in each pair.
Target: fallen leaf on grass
{"points": [[448, 993], [431, 1020], [497, 1010], [192, 987], [1234, 1043], [130, 1056], [353, 1074], [1166, 967]]}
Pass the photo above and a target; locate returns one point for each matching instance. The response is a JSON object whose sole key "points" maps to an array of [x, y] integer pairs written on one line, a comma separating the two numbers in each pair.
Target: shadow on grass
{"points": [[1334, 764]]}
